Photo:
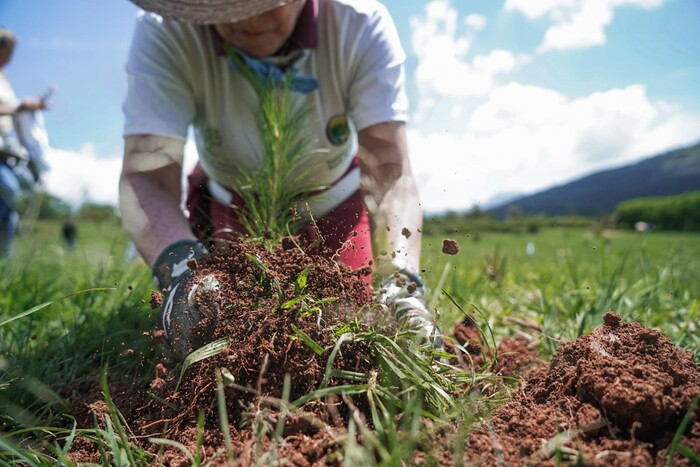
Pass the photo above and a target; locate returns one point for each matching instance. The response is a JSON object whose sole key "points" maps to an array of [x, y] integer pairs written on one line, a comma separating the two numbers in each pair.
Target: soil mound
{"points": [[278, 308], [280, 311], [615, 396]]}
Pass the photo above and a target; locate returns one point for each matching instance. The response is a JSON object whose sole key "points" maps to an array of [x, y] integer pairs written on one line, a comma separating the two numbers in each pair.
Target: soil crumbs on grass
{"points": [[613, 397], [616, 396]]}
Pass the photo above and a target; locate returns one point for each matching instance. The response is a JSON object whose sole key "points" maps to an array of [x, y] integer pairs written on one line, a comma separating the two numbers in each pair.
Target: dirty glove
{"points": [[404, 295], [186, 301]]}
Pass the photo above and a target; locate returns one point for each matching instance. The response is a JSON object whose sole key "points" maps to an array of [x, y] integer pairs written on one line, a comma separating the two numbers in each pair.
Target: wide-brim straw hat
{"points": [[209, 11]]}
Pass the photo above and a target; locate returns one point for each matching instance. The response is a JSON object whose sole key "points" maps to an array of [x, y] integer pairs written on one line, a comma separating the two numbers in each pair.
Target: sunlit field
{"points": [[68, 317], [565, 280]]}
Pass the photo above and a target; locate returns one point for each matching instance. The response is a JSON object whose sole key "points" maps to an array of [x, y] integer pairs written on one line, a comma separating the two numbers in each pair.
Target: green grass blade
{"points": [[689, 454], [308, 340], [8, 448], [200, 438], [116, 418], [331, 358], [202, 353], [223, 416], [325, 392], [174, 444], [33, 310], [350, 375], [681, 429]]}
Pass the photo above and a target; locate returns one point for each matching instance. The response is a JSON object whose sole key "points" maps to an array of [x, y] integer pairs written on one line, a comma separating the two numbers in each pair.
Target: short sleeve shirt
{"points": [[7, 97], [176, 79]]}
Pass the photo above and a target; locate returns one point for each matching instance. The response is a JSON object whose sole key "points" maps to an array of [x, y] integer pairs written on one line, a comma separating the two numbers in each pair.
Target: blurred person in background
{"points": [[69, 232], [347, 62], [23, 145]]}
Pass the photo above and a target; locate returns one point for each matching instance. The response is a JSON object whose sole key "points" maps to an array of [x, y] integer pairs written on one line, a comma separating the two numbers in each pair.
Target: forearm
{"points": [[24, 105], [150, 193], [7, 109], [391, 197], [398, 223]]}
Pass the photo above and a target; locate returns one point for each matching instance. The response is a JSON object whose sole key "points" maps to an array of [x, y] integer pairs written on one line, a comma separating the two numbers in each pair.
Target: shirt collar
{"points": [[304, 36], [306, 32]]}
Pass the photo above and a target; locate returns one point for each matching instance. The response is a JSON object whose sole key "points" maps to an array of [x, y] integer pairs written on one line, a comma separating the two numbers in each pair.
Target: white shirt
{"points": [[176, 79], [7, 97]]}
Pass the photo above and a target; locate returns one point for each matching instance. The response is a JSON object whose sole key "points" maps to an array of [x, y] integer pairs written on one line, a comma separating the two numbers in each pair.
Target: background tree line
{"points": [[678, 212]]}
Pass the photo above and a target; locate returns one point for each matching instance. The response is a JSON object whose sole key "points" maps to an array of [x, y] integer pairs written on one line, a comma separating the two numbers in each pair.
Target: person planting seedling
{"points": [[298, 109]]}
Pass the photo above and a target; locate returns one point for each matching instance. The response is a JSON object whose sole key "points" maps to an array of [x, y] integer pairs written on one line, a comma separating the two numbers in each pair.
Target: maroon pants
{"points": [[345, 229]]}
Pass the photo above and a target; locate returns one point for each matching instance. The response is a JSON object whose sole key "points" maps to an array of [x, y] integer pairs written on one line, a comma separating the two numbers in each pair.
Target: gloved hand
{"points": [[186, 301], [404, 295]]}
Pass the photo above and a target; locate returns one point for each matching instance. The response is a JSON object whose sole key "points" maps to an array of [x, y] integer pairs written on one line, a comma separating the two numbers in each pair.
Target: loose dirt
{"points": [[613, 397], [450, 247]]}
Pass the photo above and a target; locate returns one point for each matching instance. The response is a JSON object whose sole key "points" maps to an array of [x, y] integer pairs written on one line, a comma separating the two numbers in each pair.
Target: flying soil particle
{"points": [[158, 335], [156, 300], [405, 232], [161, 370], [450, 247]]}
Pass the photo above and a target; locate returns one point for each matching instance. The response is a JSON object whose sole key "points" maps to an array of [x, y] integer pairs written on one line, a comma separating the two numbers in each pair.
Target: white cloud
{"points": [[576, 24], [477, 22], [442, 72], [443, 66], [85, 176], [483, 138], [527, 138], [521, 139], [80, 176]]}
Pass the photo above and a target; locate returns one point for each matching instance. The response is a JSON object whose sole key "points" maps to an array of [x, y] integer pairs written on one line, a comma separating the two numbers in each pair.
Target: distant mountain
{"points": [[500, 199], [671, 173]]}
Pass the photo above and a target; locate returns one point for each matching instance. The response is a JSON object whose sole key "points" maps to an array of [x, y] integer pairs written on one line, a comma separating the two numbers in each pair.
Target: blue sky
{"points": [[507, 96]]}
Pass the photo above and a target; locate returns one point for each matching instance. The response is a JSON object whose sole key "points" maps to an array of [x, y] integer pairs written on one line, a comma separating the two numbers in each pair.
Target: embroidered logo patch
{"points": [[338, 130]]}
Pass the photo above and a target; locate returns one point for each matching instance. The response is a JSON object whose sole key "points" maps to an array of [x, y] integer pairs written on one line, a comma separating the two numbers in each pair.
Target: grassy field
{"points": [[565, 280], [67, 315]]}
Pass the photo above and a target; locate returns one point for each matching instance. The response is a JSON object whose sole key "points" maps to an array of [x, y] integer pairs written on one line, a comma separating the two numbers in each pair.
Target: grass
{"points": [[569, 282], [71, 319]]}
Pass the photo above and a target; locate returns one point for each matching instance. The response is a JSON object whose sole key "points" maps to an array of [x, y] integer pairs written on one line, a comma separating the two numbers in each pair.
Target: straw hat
{"points": [[209, 11]]}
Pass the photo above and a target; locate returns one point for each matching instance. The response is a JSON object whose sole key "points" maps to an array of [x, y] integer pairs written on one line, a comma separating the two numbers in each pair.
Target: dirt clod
{"points": [[612, 319], [411, 288], [156, 300], [450, 247]]}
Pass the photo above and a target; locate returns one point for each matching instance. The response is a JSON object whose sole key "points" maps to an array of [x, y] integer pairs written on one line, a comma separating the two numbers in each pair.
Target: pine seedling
{"points": [[272, 192]]}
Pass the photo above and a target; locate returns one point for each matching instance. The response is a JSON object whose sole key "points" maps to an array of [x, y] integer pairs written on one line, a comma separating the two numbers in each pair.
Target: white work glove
{"points": [[404, 295], [186, 301]]}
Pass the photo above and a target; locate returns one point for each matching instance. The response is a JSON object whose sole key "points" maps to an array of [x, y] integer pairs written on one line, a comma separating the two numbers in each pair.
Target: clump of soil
{"points": [[266, 312], [450, 247], [615, 396]]}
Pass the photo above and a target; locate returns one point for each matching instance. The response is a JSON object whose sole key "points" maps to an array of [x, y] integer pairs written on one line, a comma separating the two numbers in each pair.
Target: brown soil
{"points": [[613, 397], [450, 247]]}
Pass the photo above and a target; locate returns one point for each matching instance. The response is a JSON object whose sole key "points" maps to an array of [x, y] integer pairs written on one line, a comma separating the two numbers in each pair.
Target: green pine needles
{"points": [[272, 192]]}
